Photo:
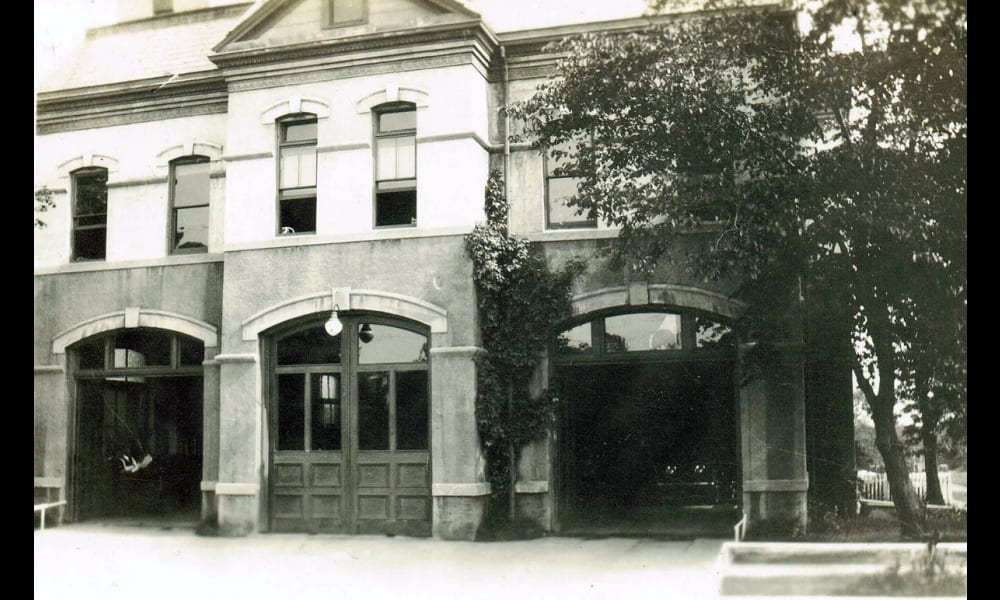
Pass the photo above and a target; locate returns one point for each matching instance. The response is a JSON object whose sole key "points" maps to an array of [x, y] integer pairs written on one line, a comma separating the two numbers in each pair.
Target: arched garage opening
{"points": [[648, 441], [137, 451]]}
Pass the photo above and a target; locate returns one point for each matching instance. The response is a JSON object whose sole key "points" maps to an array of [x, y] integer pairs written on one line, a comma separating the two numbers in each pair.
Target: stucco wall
{"points": [[433, 269], [65, 299]]}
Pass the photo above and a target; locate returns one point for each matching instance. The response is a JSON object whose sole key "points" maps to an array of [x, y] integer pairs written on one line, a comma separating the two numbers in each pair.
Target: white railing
{"points": [[875, 486]]}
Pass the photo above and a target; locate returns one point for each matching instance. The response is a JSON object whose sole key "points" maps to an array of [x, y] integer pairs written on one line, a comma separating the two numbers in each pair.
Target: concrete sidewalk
{"points": [[101, 561]]}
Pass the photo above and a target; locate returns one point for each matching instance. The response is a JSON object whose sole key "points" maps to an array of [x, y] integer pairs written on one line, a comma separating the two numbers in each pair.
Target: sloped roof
{"points": [[146, 49]]}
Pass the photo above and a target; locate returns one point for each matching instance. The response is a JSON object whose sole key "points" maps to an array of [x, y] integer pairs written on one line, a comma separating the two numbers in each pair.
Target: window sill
{"points": [[88, 266], [558, 235], [381, 233]]}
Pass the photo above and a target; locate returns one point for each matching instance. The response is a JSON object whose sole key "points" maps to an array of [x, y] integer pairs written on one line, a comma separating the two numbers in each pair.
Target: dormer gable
{"points": [[273, 23]]}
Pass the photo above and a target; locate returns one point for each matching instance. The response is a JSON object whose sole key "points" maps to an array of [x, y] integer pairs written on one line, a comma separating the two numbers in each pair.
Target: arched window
{"points": [[189, 200], [90, 213], [395, 165], [297, 135]]}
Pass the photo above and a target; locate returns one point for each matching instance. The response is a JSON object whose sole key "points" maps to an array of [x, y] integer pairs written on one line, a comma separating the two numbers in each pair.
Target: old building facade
{"points": [[254, 274]]}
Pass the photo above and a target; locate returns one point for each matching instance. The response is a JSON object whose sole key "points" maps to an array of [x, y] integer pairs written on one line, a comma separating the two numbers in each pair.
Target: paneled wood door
{"points": [[350, 429]]}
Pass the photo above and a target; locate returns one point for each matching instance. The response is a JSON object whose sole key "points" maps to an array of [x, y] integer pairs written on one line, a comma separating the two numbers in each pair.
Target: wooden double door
{"points": [[349, 428]]}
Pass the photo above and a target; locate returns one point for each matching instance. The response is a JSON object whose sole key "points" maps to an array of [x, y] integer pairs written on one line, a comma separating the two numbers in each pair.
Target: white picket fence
{"points": [[875, 486]]}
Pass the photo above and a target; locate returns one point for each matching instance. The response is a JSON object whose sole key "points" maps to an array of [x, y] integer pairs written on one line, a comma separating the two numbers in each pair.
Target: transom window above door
{"points": [[659, 332]]}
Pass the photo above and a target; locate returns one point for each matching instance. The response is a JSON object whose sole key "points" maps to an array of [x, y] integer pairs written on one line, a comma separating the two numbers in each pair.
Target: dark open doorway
{"points": [[648, 442], [138, 449]]}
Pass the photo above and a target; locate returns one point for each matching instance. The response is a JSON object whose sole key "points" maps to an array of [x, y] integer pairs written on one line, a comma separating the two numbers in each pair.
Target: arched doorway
{"points": [[348, 432], [138, 429], [648, 439]]}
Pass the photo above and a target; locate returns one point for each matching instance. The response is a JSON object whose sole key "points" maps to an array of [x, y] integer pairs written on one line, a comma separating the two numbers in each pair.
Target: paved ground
{"points": [[113, 561]]}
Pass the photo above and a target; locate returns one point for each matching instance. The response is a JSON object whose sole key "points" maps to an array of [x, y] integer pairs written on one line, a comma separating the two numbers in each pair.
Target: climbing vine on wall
{"points": [[519, 299]]}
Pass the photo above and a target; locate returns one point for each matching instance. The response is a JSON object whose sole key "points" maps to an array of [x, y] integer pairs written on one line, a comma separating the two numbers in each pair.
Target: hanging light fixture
{"points": [[366, 335], [333, 325]]}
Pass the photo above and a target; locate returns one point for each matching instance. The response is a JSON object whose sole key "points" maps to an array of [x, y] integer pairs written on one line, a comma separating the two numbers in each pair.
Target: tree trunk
{"points": [[908, 506], [934, 495], [929, 418]]}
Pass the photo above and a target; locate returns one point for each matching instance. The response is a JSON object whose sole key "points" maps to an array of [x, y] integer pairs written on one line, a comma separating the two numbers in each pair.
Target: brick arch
{"points": [[431, 315], [137, 317]]}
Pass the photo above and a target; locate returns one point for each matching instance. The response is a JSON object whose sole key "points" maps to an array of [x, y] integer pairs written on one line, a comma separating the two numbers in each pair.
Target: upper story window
{"points": [[162, 7], [339, 13], [189, 197], [90, 213], [396, 165], [297, 174], [561, 185]]}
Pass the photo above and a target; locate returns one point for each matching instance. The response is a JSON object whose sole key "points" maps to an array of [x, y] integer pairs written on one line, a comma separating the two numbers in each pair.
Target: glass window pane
{"points": [[291, 411], [373, 411], [141, 348], [91, 353], [406, 157], [326, 411], [642, 331], [191, 228], [388, 344], [309, 347], [559, 190], [300, 131], [192, 351], [347, 11], [396, 208], [385, 150], [298, 215], [411, 410], [91, 192], [711, 334], [90, 244], [191, 184], [574, 341], [298, 167], [397, 121]]}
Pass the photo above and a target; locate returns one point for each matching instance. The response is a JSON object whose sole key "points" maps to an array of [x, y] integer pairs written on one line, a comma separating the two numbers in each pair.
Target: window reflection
{"points": [[373, 411], [642, 331], [309, 347], [388, 344], [326, 411], [574, 341]]}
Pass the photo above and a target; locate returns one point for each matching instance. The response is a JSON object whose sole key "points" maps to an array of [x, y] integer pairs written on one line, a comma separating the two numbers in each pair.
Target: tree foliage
{"points": [[842, 165], [43, 202], [519, 300]]}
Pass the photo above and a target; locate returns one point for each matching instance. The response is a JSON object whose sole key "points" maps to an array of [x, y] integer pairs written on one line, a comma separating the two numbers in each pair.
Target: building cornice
{"points": [[131, 102]]}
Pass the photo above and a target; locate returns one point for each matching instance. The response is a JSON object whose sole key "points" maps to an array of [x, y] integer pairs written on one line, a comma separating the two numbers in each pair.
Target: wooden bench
{"points": [[47, 505], [49, 494]]}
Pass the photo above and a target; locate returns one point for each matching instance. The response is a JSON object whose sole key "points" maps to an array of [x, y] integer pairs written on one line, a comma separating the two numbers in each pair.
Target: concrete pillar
{"points": [[210, 436], [240, 425], [773, 435], [533, 498], [459, 485]]}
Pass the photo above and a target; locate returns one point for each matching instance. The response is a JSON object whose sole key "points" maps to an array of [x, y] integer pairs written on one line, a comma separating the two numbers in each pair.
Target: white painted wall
{"points": [[451, 174], [138, 210]]}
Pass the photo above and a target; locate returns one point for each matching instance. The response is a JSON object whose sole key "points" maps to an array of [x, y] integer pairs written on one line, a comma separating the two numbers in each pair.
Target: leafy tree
{"points": [[43, 202], [836, 170]]}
